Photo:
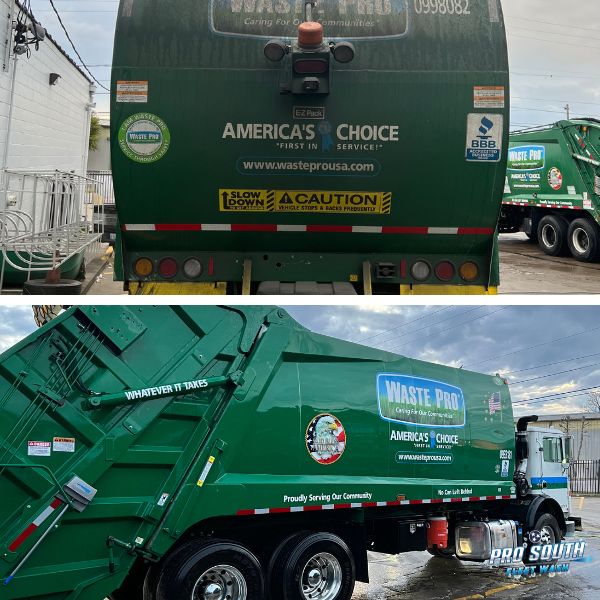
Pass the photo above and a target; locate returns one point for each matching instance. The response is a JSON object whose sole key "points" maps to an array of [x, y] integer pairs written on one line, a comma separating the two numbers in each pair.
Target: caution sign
{"points": [[305, 201]]}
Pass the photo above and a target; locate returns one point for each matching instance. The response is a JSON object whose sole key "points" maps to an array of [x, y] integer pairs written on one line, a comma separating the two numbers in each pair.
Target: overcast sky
{"points": [[553, 48], [519, 342]]}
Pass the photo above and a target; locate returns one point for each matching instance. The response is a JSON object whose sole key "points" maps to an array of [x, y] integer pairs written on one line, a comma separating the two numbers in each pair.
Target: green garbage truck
{"points": [[552, 189], [228, 453], [320, 147]]}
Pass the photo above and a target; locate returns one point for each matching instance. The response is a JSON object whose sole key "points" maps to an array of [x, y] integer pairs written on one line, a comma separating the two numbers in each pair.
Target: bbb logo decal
{"points": [[484, 137]]}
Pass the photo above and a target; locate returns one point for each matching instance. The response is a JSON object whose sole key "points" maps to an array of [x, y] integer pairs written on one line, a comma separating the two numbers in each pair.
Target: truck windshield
{"points": [[348, 19]]}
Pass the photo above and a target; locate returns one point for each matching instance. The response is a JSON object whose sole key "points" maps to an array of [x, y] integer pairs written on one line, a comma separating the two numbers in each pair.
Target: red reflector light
{"points": [[444, 271], [310, 66], [167, 268]]}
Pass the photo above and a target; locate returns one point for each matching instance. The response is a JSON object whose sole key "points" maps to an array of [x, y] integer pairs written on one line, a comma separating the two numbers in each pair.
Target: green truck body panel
{"points": [[211, 161], [178, 416], [556, 167]]}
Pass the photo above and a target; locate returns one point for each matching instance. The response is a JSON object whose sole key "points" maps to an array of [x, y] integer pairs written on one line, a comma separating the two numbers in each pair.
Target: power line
{"points": [[551, 23], [558, 362], [73, 46], [370, 337], [452, 326], [534, 346], [554, 374], [572, 392]]}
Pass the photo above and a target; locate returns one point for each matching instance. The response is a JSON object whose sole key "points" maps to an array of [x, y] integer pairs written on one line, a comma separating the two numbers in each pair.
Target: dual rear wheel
{"points": [[305, 566], [557, 237]]}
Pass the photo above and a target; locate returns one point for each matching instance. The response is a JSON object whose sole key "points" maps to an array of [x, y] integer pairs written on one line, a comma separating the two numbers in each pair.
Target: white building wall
{"points": [[50, 124]]}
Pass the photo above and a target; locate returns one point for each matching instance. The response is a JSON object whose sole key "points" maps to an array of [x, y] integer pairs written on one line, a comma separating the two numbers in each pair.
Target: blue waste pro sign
{"points": [[484, 137], [418, 401]]}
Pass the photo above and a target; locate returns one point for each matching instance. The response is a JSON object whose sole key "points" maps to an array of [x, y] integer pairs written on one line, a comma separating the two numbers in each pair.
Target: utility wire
{"points": [[452, 326], [554, 374], [557, 396], [558, 362], [370, 337], [566, 337], [73, 46]]}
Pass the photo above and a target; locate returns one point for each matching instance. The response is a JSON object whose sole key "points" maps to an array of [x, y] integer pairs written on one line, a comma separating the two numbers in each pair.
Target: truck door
{"points": [[553, 480]]}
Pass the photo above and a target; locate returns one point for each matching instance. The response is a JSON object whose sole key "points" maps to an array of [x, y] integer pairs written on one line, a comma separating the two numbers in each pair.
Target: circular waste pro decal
{"points": [[325, 439], [555, 179], [144, 138]]}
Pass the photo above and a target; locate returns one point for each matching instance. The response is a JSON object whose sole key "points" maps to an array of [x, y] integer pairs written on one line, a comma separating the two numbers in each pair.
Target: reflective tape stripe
{"points": [[265, 511], [274, 228], [14, 545]]}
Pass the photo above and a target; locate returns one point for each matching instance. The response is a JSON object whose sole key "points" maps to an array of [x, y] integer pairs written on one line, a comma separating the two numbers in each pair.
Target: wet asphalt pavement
{"points": [[419, 576]]}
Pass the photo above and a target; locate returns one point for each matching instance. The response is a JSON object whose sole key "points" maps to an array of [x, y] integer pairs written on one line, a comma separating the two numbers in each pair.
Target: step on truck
{"points": [[552, 189], [309, 147], [230, 453]]}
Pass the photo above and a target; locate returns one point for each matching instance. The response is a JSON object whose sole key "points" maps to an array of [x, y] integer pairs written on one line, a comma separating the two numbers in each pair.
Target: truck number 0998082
{"points": [[442, 7]]}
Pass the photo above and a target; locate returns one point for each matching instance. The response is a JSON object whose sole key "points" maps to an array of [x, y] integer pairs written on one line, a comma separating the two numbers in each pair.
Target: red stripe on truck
{"points": [[18, 541], [264, 511]]}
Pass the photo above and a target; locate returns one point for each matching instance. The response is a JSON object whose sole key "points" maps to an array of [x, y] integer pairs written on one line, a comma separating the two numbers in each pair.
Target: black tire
{"points": [[291, 563], [583, 238], [552, 235], [193, 566], [65, 287], [548, 526]]}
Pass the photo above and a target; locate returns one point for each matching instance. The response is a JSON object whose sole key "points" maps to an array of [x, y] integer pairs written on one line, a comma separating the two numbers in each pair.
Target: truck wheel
{"points": [[213, 570], [549, 530], [552, 235], [584, 240], [312, 566]]}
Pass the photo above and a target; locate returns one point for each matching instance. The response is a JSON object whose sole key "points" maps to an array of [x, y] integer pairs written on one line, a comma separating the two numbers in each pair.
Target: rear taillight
{"points": [[310, 66], [167, 268], [192, 268], [445, 270], [469, 271], [143, 267], [420, 270]]}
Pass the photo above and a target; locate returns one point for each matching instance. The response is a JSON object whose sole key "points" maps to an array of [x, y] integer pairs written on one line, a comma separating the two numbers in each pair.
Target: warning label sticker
{"points": [[38, 449], [488, 96], [133, 92], [305, 201], [62, 444]]}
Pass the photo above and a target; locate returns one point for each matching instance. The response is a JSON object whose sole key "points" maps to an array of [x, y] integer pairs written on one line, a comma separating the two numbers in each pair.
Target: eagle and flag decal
{"points": [[325, 439]]}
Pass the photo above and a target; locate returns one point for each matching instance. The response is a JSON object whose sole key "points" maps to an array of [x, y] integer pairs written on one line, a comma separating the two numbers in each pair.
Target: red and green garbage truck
{"points": [[552, 189], [228, 453], [321, 147]]}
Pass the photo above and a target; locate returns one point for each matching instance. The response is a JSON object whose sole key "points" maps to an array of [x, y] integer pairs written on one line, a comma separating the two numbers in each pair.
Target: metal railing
{"points": [[45, 219], [585, 476], [106, 179]]}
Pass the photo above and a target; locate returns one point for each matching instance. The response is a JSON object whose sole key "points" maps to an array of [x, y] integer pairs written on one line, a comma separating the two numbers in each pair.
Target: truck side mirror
{"points": [[569, 448]]}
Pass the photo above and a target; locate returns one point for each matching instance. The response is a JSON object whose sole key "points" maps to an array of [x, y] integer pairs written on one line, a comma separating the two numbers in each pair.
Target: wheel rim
{"points": [[221, 582], [321, 578], [548, 236], [547, 535], [581, 240]]}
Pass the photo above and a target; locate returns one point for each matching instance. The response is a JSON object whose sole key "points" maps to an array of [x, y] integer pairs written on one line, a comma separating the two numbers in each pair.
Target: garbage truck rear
{"points": [[309, 147], [230, 453], [552, 190]]}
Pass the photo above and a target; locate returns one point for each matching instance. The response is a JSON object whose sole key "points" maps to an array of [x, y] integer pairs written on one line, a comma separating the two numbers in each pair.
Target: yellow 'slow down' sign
{"points": [[305, 201]]}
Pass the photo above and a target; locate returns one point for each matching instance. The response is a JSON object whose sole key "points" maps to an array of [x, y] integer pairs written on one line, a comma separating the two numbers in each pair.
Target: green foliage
{"points": [[95, 130]]}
